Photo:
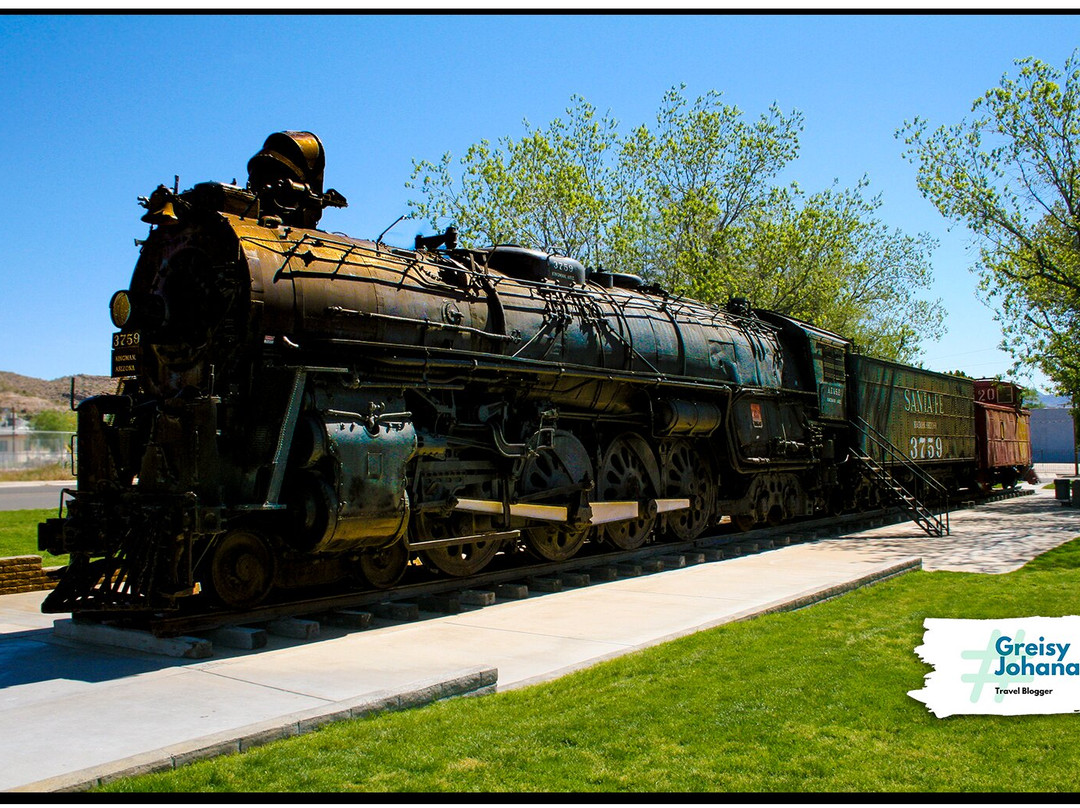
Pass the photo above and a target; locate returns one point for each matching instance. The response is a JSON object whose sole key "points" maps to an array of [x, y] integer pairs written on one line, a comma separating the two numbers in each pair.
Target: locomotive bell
{"points": [[160, 207]]}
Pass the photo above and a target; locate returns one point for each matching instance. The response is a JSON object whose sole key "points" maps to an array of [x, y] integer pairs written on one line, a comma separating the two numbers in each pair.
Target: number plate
{"points": [[126, 353]]}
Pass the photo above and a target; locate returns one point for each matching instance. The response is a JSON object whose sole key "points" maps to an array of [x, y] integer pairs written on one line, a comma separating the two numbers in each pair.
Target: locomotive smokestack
{"points": [[287, 176]]}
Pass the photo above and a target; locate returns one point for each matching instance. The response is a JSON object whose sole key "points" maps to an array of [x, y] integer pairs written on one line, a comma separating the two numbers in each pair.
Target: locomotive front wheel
{"points": [[384, 567], [687, 474], [458, 560], [624, 477], [461, 560], [242, 570]]}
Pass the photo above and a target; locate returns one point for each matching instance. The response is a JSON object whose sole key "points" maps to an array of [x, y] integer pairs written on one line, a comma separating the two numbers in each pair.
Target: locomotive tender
{"points": [[298, 408]]}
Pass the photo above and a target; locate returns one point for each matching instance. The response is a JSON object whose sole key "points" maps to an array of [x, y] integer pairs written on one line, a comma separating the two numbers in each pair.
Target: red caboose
{"points": [[1002, 434]]}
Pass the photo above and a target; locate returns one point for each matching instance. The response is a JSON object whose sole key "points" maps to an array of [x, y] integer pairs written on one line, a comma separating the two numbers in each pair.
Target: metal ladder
{"points": [[934, 523]]}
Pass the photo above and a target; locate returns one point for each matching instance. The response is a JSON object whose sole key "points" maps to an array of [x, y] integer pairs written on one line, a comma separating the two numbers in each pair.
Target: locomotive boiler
{"points": [[300, 409]]}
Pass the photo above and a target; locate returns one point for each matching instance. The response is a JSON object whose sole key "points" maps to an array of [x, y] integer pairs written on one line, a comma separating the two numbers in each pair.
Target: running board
{"points": [[545, 513], [602, 512], [667, 505], [605, 512]]}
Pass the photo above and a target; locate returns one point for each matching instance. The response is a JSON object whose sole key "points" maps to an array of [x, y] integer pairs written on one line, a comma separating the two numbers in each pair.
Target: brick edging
{"points": [[23, 574]]}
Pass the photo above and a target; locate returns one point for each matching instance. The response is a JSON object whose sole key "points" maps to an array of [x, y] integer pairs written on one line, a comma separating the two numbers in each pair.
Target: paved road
{"points": [[27, 496]]}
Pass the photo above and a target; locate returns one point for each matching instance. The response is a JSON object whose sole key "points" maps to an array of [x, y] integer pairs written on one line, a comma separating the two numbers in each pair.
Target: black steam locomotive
{"points": [[298, 408]]}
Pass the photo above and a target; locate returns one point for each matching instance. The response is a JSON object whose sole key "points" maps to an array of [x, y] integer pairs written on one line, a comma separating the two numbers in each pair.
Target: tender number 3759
{"points": [[923, 448]]}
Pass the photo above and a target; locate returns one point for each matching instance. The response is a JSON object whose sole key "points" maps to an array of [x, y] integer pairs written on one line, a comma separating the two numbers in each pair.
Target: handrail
{"points": [[922, 513], [882, 442]]}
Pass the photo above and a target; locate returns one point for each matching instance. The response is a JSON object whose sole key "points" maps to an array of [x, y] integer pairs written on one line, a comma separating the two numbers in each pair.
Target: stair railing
{"points": [[923, 516]]}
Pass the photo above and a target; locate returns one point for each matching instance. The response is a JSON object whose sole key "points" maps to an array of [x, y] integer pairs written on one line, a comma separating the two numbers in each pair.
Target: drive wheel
{"points": [[687, 474], [564, 465], [242, 570], [624, 476], [384, 567], [458, 560], [554, 543]]}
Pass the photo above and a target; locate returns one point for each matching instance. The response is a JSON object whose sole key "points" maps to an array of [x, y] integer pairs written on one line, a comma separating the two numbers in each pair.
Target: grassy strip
{"points": [[807, 701], [56, 471], [18, 535]]}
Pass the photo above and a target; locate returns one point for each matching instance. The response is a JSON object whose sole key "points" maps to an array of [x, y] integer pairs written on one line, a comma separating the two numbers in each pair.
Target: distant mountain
{"points": [[1054, 402], [25, 394]]}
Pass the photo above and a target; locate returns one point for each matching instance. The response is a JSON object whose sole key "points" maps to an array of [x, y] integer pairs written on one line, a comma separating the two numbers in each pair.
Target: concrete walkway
{"points": [[996, 538], [77, 714]]}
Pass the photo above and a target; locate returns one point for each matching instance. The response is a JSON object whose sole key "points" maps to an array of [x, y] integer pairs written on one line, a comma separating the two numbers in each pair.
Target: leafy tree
{"points": [[827, 258], [691, 202], [700, 173], [1030, 399], [552, 188], [631, 204], [1009, 174], [53, 421]]}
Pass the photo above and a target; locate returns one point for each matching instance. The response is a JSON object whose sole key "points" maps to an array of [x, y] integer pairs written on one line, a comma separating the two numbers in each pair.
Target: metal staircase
{"points": [[935, 523]]}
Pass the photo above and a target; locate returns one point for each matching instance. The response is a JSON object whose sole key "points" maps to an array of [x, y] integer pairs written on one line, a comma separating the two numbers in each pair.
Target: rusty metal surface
{"points": [[929, 416], [1004, 436]]}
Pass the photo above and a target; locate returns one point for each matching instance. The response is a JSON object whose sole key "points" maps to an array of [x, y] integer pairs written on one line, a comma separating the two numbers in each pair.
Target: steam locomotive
{"points": [[300, 409]]}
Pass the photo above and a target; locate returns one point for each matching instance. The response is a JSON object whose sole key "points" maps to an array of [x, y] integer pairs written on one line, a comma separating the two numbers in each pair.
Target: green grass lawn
{"points": [[18, 535], [806, 701]]}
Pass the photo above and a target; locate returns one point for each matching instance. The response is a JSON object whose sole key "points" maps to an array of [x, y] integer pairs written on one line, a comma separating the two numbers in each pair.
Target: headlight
{"points": [[120, 308]]}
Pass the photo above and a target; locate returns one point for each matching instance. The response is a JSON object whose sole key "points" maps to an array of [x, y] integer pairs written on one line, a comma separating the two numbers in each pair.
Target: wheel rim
{"points": [[567, 464], [554, 543], [383, 568], [624, 476], [242, 570], [687, 475], [456, 559]]}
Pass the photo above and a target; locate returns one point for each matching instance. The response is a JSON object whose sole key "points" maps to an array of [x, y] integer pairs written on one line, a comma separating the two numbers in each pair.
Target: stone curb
{"points": [[469, 682], [818, 596]]}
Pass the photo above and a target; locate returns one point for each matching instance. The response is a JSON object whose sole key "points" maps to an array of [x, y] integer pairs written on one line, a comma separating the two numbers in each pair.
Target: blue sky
{"points": [[98, 110]]}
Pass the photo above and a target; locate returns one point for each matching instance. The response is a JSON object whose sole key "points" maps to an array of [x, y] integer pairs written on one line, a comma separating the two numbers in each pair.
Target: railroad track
{"points": [[443, 594]]}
